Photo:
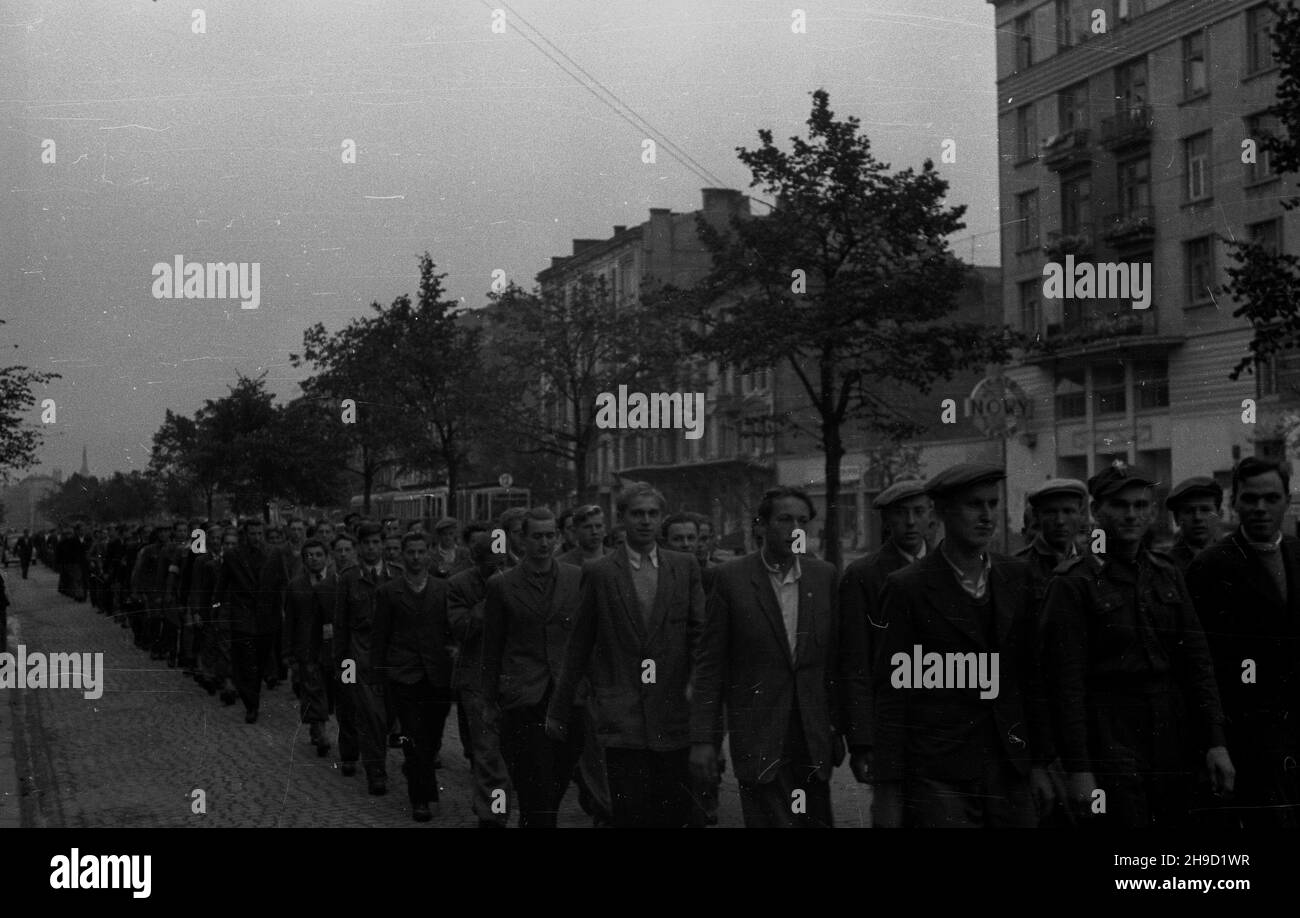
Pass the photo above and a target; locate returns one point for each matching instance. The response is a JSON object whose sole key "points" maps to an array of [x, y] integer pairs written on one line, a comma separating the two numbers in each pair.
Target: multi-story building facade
{"points": [[1121, 132]]}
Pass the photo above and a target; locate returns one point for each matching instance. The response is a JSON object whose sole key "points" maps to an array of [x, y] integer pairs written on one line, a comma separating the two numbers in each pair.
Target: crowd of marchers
{"points": [[1134, 688]]}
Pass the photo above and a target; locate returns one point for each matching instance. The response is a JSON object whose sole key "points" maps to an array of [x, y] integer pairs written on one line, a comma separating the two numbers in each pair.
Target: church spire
{"points": [[85, 466]]}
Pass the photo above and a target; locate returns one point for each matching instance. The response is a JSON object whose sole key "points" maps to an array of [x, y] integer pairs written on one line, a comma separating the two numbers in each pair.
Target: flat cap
{"points": [[1114, 479], [447, 522], [963, 475], [1200, 486], [1072, 486], [899, 490]]}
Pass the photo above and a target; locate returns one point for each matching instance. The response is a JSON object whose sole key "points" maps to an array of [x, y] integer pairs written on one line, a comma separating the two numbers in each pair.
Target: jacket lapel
{"points": [[663, 595], [949, 599], [809, 611], [1005, 602], [762, 585], [627, 592]]}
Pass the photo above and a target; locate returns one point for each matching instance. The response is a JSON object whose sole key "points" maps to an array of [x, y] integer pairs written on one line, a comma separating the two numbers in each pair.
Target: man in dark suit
{"points": [[961, 724], [904, 515], [788, 669], [641, 617], [1057, 510], [527, 620], [363, 721], [309, 608], [251, 628], [24, 549], [1195, 505], [1128, 673], [1247, 595], [466, 596], [411, 653]]}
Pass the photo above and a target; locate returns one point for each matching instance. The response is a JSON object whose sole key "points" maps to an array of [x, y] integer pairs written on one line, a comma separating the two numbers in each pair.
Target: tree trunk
{"points": [[580, 473], [207, 497], [833, 446], [367, 485]]}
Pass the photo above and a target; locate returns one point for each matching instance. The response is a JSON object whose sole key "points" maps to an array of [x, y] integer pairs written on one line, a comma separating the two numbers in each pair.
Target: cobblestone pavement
{"points": [[133, 757]]}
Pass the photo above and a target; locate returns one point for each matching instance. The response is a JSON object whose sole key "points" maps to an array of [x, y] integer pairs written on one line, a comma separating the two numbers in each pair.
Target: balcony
{"points": [[1066, 150], [1127, 127], [1130, 228], [1102, 327], [1077, 242]]}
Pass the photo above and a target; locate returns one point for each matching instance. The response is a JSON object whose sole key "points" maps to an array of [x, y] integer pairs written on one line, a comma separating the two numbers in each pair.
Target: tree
{"points": [[1264, 282], [19, 439], [847, 283], [187, 456], [122, 497], [574, 347]]}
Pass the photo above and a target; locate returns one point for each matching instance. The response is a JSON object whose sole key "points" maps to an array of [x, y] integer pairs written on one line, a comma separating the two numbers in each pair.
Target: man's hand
{"points": [[1222, 775], [556, 730], [887, 805], [704, 764], [1081, 786], [860, 765], [1040, 785]]}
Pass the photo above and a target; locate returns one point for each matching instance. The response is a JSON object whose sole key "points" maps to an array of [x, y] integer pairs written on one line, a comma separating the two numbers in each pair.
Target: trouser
{"points": [[492, 790], [317, 701], [24, 563], [1143, 800], [423, 709], [540, 767], [191, 641], [649, 789], [345, 711], [249, 653], [593, 785], [998, 799], [367, 705], [793, 797], [215, 659]]}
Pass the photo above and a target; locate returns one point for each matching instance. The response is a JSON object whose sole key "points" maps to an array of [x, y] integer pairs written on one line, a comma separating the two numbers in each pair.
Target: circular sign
{"points": [[998, 407], [505, 480]]}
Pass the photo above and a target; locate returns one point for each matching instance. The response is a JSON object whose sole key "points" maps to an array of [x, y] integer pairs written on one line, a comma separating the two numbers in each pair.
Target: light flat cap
{"points": [[1071, 486], [1200, 486], [447, 522], [963, 475], [899, 490], [1114, 479]]}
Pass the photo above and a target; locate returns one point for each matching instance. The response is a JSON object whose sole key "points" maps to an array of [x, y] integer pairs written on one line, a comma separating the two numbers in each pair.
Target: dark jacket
{"points": [[466, 596], [743, 665], [354, 619], [309, 607], [412, 634], [237, 591], [524, 642], [861, 587], [941, 733], [611, 644], [1245, 618]]}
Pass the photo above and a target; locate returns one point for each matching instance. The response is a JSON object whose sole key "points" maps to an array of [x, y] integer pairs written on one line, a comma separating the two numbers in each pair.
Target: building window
{"points": [[1134, 185], [1064, 26], [1258, 127], [1031, 316], [1259, 39], [1131, 85], [1196, 164], [1076, 205], [1073, 107], [1268, 234], [1071, 394], [1196, 76], [1108, 389], [1024, 27], [1198, 257], [1026, 133], [1151, 384], [1027, 220]]}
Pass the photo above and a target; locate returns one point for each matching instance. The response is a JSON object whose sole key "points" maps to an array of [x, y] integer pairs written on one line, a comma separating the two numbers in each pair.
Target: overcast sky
{"points": [[226, 146]]}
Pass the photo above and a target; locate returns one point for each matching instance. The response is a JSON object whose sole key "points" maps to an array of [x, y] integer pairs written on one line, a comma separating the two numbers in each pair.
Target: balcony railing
{"points": [[1129, 227], [1065, 150], [1077, 241], [1095, 320], [1127, 127]]}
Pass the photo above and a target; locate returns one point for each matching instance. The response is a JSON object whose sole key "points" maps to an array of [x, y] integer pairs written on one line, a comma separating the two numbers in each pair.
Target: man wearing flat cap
{"points": [[1128, 672], [448, 556], [960, 715], [1195, 504], [905, 514], [1056, 506], [1247, 594]]}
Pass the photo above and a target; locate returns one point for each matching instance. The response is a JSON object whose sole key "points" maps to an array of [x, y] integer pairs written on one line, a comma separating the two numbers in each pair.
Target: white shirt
{"points": [[786, 588]]}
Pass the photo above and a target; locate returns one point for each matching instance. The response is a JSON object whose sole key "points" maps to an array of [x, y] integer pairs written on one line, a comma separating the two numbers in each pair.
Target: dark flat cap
{"points": [[1200, 486], [447, 522], [1114, 479], [899, 490], [1071, 486], [963, 475]]}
